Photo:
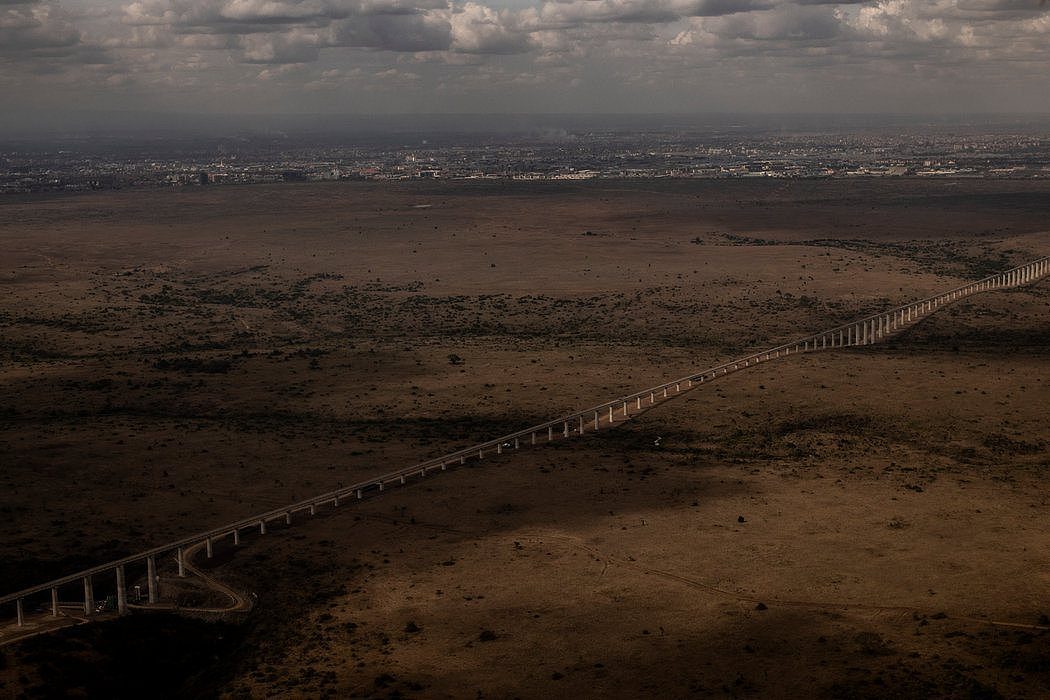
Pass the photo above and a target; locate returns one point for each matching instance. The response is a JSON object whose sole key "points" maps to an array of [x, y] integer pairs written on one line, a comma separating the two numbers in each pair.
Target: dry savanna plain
{"points": [[857, 523]]}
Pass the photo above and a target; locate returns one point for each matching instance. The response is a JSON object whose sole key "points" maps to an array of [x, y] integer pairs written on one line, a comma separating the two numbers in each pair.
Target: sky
{"points": [[525, 56]]}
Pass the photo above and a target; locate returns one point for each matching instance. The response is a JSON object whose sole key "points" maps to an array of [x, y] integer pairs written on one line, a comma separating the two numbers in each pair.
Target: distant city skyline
{"points": [[496, 56]]}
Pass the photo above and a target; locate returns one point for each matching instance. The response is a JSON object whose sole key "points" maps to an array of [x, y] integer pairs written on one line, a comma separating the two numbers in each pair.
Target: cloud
{"points": [[36, 28], [480, 30], [617, 49]]}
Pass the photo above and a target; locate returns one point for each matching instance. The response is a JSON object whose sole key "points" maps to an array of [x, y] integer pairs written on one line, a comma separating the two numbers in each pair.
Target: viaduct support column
{"points": [[54, 602], [180, 561], [20, 618], [151, 579], [122, 592], [89, 596]]}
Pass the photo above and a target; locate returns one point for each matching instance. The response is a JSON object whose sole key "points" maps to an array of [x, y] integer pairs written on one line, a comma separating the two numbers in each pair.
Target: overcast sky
{"points": [[425, 56]]}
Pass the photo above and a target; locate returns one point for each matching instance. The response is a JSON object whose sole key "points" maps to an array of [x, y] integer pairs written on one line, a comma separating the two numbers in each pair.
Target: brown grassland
{"points": [[840, 524]]}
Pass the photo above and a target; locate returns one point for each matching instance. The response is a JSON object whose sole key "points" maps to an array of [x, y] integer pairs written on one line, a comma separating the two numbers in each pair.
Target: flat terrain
{"points": [[843, 524]]}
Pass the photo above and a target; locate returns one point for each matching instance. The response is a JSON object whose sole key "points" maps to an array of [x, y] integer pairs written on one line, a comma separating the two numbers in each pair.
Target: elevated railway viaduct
{"points": [[864, 331]]}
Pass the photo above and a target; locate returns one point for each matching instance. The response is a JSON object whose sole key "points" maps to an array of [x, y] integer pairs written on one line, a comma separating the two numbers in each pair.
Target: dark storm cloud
{"points": [[564, 14], [395, 32], [35, 27]]}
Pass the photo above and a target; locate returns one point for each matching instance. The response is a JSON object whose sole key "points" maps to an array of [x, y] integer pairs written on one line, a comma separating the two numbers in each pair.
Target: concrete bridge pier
{"points": [[595, 420], [237, 533], [550, 433], [122, 592], [262, 527], [180, 562], [625, 405], [208, 547], [54, 602], [89, 596], [565, 426], [151, 579], [638, 406], [20, 618], [581, 425]]}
